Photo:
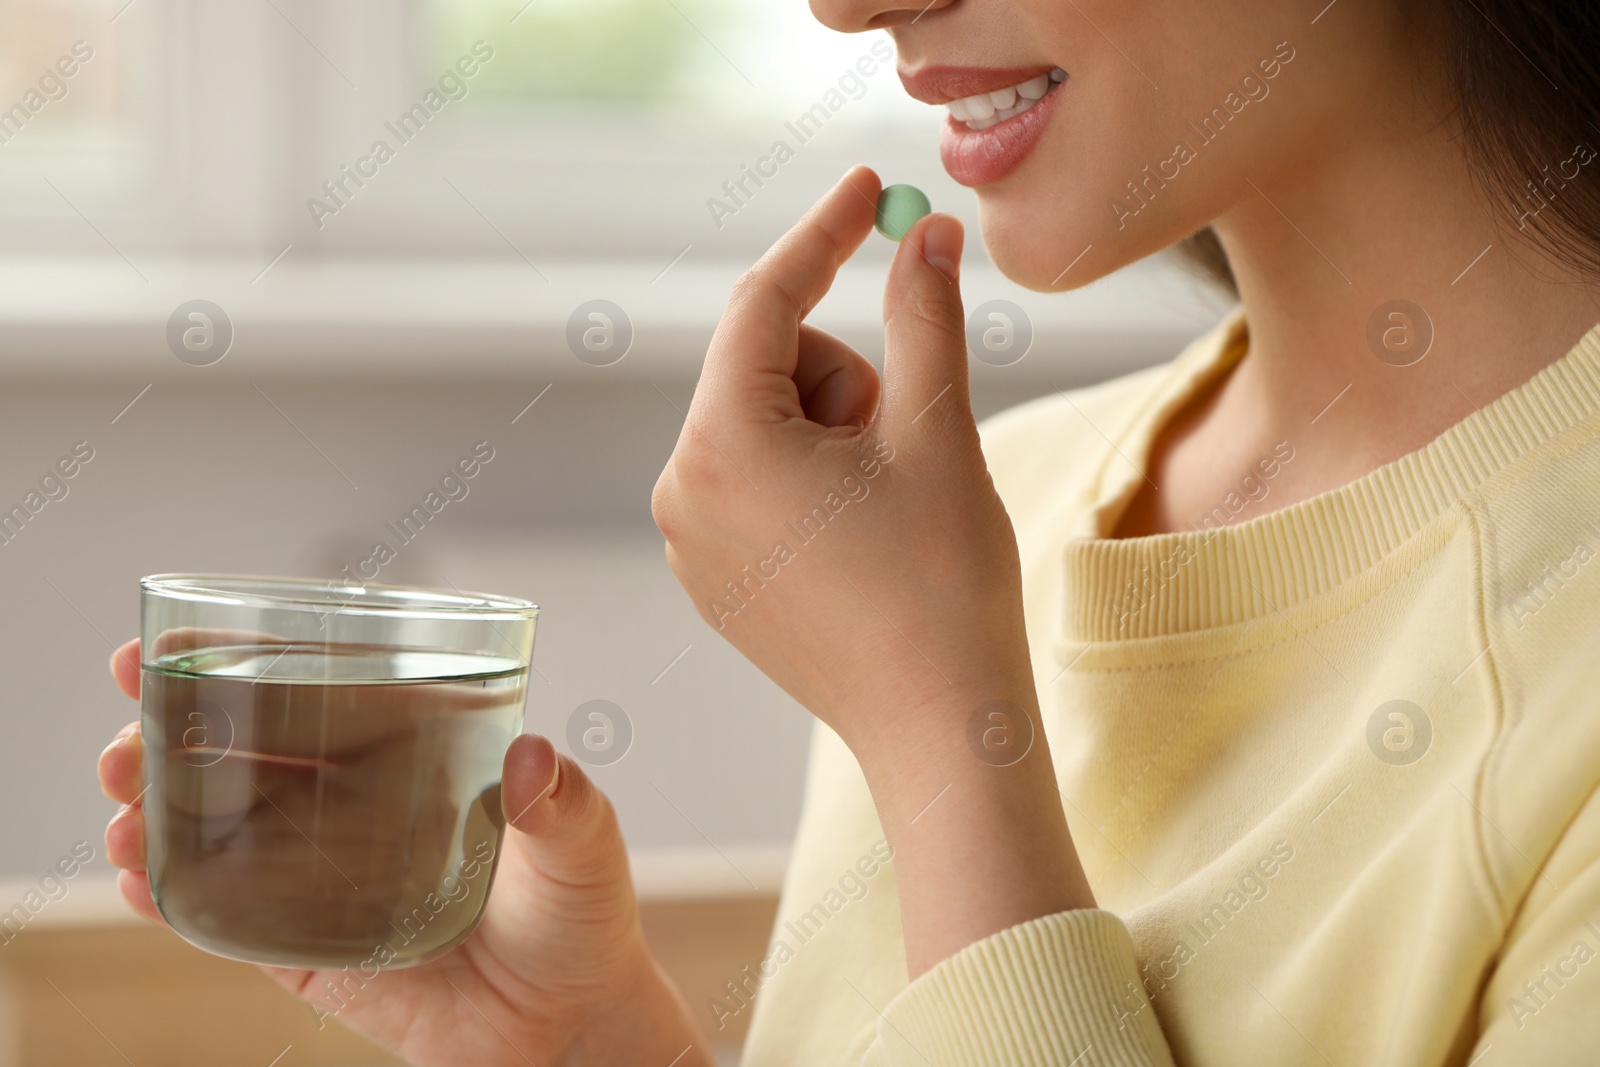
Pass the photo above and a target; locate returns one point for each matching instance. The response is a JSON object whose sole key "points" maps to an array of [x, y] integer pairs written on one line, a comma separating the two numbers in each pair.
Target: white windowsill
{"points": [[77, 317]]}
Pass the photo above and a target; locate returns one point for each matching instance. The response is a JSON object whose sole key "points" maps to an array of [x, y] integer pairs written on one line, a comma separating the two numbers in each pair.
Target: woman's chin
{"points": [[1050, 253], [1043, 258]]}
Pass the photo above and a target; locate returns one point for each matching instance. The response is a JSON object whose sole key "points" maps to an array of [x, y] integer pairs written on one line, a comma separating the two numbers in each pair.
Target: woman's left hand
{"points": [[846, 536]]}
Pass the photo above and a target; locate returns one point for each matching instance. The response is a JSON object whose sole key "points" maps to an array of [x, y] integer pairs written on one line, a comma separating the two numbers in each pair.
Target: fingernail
{"points": [[941, 244], [549, 787], [122, 736], [555, 780], [858, 422]]}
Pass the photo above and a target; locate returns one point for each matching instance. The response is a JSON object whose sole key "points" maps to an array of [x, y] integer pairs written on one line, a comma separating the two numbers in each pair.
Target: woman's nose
{"points": [[854, 16]]}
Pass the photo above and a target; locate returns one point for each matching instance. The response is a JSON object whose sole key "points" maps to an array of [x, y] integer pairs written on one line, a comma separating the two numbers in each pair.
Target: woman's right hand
{"points": [[557, 972]]}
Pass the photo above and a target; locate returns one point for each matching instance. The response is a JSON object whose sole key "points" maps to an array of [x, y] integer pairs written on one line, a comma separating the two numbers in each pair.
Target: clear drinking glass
{"points": [[322, 763]]}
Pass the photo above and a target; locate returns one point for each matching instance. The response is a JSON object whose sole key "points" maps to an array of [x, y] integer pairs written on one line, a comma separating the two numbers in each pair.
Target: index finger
{"points": [[125, 668], [756, 345]]}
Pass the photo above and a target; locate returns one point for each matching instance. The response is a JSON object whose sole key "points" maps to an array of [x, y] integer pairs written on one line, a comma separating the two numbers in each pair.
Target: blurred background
{"points": [[369, 315]]}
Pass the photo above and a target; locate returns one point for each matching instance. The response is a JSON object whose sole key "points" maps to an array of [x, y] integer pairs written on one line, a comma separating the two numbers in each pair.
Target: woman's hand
{"points": [[557, 972], [846, 537]]}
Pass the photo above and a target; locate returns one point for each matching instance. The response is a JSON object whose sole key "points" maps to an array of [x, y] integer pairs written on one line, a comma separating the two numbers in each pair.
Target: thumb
{"points": [[561, 822], [925, 344]]}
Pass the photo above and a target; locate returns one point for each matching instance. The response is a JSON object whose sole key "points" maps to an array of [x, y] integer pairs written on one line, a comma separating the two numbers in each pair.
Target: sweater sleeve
{"points": [[1541, 1003], [1060, 990]]}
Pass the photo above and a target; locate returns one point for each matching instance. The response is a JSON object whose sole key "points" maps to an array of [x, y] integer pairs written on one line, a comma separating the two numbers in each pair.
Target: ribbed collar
{"points": [[1117, 589]]}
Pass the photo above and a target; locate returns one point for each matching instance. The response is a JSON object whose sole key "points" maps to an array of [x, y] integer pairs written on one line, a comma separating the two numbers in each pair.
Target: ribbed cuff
{"points": [[1059, 990]]}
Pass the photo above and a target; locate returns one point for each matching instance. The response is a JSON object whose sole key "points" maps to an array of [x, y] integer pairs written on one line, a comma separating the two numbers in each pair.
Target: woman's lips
{"points": [[983, 157]]}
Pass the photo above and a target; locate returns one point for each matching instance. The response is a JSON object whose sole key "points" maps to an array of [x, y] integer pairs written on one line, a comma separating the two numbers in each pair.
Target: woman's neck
{"points": [[1324, 259]]}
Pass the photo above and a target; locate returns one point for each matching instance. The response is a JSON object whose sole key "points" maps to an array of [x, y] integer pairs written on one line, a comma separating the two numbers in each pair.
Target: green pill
{"points": [[899, 207]]}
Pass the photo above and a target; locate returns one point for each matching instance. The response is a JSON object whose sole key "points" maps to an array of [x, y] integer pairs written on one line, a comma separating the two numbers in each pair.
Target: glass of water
{"points": [[323, 761]]}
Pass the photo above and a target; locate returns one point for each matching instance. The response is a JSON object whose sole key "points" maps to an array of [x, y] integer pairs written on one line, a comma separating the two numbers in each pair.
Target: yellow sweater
{"points": [[1332, 770]]}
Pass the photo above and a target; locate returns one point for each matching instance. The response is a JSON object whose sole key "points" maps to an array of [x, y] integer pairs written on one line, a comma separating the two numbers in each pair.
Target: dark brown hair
{"points": [[1526, 92]]}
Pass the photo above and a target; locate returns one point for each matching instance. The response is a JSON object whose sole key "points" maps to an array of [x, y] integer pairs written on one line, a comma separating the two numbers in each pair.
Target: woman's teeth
{"points": [[988, 109]]}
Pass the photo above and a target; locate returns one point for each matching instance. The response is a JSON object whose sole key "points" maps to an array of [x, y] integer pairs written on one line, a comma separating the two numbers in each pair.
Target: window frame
{"points": [[238, 113]]}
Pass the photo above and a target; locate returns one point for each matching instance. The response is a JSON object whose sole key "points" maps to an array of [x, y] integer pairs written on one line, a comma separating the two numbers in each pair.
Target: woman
{"points": [[1238, 711]]}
